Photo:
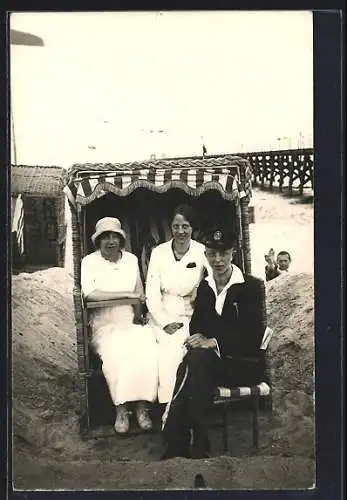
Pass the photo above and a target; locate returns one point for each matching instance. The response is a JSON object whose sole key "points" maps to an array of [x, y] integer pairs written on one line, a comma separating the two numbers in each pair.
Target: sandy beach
{"points": [[48, 452], [283, 223]]}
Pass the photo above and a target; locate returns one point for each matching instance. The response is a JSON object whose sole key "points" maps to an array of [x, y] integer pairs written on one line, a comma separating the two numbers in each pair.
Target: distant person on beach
{"points": [[276, 267]]}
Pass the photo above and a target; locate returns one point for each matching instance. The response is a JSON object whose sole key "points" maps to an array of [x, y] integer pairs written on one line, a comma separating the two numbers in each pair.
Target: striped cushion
{"points": [[261, 389]]}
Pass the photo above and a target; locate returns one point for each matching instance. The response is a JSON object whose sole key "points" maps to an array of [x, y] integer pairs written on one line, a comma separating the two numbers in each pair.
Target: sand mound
{"points": [[290, 309], [43, 350], [46, 398]]}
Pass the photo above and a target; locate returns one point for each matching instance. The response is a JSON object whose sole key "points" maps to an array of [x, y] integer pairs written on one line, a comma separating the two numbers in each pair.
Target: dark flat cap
{"points": [[219, 238]]}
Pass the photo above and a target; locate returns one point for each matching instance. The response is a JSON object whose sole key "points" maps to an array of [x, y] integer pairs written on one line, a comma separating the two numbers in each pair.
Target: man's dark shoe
{"points": [[171, 452], [177, 446], [198, 454], [201, 447]]}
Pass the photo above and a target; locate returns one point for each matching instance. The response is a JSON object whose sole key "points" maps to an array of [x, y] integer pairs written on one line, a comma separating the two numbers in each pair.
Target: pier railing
{"points": [[289, 169], [292, 169]]}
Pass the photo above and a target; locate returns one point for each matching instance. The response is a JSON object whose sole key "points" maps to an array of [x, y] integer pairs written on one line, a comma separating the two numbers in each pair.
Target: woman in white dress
{"points": [[126, 347], [174, 272]]}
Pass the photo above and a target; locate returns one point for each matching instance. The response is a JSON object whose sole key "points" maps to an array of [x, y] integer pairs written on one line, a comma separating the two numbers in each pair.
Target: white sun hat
{"points": [[108, 224]]}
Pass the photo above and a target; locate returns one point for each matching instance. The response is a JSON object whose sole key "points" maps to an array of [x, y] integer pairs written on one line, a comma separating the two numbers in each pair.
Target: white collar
{"points": [[110, 262], [171, 249], [236, 277]]}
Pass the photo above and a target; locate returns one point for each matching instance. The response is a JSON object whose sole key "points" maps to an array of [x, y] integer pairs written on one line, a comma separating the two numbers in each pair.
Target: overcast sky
{"points": [[238, 79]]}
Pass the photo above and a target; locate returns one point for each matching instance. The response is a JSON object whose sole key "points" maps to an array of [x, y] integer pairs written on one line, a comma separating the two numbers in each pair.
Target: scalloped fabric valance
{"points": [[231, 176]]}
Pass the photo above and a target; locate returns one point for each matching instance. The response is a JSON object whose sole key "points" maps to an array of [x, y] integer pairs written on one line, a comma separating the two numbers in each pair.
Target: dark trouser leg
{"points": [[176, 433], [202, 366], [190, 409], [240, 371]]}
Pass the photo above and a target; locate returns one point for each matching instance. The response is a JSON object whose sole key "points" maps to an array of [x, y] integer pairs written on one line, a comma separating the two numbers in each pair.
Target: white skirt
{"points": [[128, 353], [171, 351]]}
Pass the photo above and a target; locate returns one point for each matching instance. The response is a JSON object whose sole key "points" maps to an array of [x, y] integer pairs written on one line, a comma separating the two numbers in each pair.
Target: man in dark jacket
{"points": [[276, 267], [226, 331]]}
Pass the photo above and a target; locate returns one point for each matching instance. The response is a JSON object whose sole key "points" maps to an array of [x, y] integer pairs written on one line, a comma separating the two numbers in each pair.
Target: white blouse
{"points": [[98, 273], [171, 278]]}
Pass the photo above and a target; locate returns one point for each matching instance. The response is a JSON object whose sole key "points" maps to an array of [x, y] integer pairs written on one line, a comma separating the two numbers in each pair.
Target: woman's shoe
{"points": [[143, 419], [122, 423]]}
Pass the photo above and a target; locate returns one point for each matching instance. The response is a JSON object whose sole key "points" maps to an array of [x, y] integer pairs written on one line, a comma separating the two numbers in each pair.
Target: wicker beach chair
{"points": [[142, 195]]}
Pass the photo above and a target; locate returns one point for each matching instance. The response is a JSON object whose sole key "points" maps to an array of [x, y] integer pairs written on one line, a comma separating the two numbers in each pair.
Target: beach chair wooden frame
{"points": [[86, 184], [261, 392]]}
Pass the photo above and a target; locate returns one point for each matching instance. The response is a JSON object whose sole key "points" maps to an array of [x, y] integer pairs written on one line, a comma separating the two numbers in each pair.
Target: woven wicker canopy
{"points": [[231, 176], [37, 181]]}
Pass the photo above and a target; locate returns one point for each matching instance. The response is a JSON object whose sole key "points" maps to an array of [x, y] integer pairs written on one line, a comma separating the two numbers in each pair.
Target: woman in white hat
{"points": [[126, 347]]}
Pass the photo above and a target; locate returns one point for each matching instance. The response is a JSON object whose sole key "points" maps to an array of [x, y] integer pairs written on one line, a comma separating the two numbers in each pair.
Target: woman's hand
{"points": [[137, 320], [198, 340], [140, 320], [172, 327], [145, 320]]}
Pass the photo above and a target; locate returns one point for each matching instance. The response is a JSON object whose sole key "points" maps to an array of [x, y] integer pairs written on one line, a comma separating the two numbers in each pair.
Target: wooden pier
{"points": [[291, 169], [288, 169]]}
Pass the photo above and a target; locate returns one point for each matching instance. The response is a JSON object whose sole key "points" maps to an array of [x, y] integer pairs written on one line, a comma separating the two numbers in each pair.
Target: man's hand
{"points": [[172, 327], [193, 296], [270, 258], [198, 340]]}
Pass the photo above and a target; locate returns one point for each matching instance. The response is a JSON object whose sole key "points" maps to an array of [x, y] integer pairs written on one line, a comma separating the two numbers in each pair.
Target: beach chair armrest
{"points": [[95, 304]]}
